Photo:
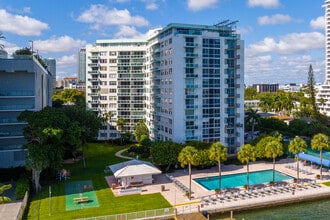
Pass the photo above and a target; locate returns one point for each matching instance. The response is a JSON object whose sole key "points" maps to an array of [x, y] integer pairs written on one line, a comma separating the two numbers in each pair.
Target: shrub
{"points": [[22, 185]]}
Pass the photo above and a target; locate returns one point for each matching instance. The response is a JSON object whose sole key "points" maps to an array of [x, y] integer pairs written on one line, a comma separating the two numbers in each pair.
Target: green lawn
{"points": [[97, 157]]}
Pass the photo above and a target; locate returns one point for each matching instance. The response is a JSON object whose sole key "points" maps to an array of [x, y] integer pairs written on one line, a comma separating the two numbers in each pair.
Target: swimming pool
{"points": [[239, 179]]}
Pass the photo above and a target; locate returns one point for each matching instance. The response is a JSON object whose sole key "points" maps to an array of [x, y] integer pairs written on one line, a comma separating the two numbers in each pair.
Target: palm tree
{"points": [[246, 155], [4, 199], [1, 37], [186, 157], [274, 149], [107, 117], [320, 142], [218, 153], [252, 118], [120, 124], [296, 146]]}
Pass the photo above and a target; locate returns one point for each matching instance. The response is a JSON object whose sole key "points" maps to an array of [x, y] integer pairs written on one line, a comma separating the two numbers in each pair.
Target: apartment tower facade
{"points": [[189, 84], [323, 91], [24, 85]]}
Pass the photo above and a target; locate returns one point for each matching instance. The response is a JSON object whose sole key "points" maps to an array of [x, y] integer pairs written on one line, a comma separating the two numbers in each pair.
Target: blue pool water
{"points": [[239, 179]]}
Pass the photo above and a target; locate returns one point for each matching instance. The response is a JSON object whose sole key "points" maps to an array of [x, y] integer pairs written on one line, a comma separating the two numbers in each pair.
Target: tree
{"points": [[218, 153], [4, 199], [311, 91], [107, 118], [201, 158], [246, 155], [1, 37], [70, 97], [274, 149], [47, 132], [252, 119], [250, 93], [296, 146], [88, 123], [165, 153], [121, 122], [186, 157], [140, 129], [320, 142]]}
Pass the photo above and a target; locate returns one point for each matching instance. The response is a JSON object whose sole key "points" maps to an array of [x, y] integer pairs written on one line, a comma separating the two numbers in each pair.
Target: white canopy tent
{"points": [[134, 172]]}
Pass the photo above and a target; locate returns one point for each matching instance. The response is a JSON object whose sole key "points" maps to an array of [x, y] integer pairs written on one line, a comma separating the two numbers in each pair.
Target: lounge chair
{"points": [[204, 201], [219, 198]]}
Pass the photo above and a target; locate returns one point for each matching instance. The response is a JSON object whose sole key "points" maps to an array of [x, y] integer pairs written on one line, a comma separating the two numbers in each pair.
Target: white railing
{"points": [[148, 214]]}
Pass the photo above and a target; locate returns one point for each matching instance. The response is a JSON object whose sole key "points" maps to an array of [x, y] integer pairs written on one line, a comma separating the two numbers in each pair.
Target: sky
{"points": [[282, 37]]}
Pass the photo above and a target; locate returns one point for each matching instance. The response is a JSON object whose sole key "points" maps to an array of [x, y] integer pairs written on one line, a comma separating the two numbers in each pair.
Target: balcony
{"points": [[17, 107], [94, 87], [191, 75], [191, 55], [191, 106], [191, 86], [17, 93], [93, 64], [191, 96], [11, 134], [191, 65], [191, 44]]}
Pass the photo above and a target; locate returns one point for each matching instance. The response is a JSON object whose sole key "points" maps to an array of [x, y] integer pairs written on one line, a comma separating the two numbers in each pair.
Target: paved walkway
{"points": [[118, 154], [9, 211]]}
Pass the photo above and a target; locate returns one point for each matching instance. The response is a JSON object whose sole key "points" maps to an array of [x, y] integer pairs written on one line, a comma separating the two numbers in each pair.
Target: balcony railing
{"points": [[16, 93]]}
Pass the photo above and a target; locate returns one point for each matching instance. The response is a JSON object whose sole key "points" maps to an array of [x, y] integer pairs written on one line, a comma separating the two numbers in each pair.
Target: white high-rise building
{"points": [[323, 91], [115, 83], [185, 81]]}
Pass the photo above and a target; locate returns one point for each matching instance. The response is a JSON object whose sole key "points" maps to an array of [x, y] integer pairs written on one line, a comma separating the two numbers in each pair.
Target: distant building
{"points": [[186, 81], [70, 82], [24, 85], [51, 67], [292, 87], [264, 87], [82, 65], [254, 104]]}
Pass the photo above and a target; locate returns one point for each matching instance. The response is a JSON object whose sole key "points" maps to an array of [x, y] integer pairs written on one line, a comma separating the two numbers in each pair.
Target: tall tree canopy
{"points": [[46, 132], [140, 129], [70, 96], [311, 91], [165, 153]]}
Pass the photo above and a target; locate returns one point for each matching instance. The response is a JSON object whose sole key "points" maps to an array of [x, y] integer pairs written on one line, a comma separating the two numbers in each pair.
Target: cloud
{"points": [[294, 43], [66, 61], [57, 45], [128, 32], [196, 5], [318, 23], [284, 69], [275, 19], [100, 16], [21, 25], [151, 5], [264, 3], [244, 30]]}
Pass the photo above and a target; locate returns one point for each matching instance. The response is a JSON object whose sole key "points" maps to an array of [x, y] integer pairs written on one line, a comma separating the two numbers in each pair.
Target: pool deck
{"points": [[177, 197]]}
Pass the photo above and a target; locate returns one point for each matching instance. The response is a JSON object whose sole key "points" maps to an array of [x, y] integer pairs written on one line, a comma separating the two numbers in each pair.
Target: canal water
{"points": [[319, 210]]}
